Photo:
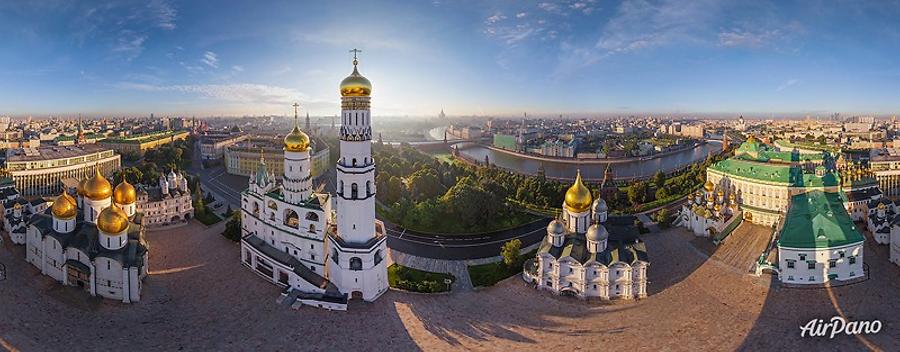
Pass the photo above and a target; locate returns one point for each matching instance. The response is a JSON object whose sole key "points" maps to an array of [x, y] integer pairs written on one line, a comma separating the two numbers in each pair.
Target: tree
{"points": [[662, 193], [132, 174], [659, 179], [228, 211], [233, 227], [663, 218], [510, 252], [209, 198]]}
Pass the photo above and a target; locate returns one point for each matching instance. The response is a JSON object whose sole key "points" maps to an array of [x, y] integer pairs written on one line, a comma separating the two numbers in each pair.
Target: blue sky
{"points": [[467, 57]]}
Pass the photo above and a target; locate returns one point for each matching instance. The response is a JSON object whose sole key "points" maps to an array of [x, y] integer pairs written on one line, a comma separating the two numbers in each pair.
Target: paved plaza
{"points": [[198, 297]]}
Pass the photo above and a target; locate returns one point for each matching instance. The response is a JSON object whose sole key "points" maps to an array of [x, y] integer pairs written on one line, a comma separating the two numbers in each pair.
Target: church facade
{"points": [[322, 249], [95, 242], [587, 255]]}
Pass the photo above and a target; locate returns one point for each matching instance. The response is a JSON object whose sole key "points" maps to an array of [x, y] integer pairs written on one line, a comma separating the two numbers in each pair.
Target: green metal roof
{"points": [[818, 220], [773, 173]]}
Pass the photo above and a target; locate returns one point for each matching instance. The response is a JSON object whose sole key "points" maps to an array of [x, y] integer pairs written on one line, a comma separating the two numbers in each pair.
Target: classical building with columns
{"points": [[588, 255], [38, 171], [763, 180], [322, 249], [95, 242], [884, 164]]}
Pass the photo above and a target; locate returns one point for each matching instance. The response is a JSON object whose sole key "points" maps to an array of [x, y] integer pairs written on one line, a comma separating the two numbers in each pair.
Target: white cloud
{"points": [[129, 45], [787, 84], [210, 59], [741, 38], [521, 15], [495, 18], [162, 13], [243, 93], [238, 68]]}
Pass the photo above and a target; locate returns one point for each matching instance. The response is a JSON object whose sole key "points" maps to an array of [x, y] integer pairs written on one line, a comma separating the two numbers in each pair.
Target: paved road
{"points": [[459, 247]]}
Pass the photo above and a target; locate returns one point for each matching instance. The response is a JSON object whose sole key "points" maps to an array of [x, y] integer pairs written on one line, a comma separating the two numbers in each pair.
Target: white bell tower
{"points": [[358, 249]]}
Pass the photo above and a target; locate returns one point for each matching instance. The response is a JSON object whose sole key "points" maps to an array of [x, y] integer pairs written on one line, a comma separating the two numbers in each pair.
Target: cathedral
{"points": [[94, 242], [586, 254], [322, 249], [710, 212]]}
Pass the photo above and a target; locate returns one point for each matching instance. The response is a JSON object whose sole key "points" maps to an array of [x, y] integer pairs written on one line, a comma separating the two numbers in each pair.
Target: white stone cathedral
{"points": [[322, 252]]}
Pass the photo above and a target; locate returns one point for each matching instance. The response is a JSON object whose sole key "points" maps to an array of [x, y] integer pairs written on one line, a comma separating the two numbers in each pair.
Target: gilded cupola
{"points": [[97, 187], [64, 207], [112, 220], [355, 85], [578, 197], [124, 193]]}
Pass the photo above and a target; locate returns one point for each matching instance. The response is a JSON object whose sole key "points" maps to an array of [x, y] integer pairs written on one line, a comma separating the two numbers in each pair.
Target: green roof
{"points": [[773, 173], [760, 152], [818, 220]]}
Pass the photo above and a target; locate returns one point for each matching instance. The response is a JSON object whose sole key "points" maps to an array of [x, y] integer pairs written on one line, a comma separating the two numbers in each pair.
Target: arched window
{"points": [[312, 216], [291, 218], [334, 255], [368, 188], [355, 264], [354, 161], [341, 188], [354, 192], [312, 228], [255, 208]]}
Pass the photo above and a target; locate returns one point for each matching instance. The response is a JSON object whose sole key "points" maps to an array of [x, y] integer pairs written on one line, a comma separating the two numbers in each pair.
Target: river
{"points": [[622, 170]]}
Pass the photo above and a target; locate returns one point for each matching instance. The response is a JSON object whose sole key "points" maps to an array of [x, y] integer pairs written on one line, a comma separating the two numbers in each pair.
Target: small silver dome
{"points": [[600, 205], [596, 233], [556, 227]]}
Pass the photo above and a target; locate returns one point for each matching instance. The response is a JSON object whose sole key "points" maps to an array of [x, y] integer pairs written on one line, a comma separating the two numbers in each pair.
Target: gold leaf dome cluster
{"points": [[296, 141], [112, 220], [578, 197], [64, 206], [355, 85], [97, 187], [124, 193], [709, 186]]}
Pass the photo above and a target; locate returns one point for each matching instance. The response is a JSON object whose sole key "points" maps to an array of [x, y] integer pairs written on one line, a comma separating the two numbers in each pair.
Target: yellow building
{"points": [[138, 144], [243, 158]]}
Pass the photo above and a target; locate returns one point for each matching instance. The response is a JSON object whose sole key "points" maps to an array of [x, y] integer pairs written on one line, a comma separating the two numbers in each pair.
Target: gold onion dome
{"points": [[80, 188], [64, 207], [355, 85], [112, 220], [124, 193], [578, 197], [751, 139], [709, 186], [296, 141], [97, 187]]}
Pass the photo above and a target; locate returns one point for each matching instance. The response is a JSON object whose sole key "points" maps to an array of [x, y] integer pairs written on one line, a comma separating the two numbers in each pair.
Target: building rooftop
{"points": [[818, 220], [52, 152], [774, 173]]}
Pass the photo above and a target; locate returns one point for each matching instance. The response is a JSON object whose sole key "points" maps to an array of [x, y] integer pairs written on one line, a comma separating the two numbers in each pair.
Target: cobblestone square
{"points": [[198, 297]]}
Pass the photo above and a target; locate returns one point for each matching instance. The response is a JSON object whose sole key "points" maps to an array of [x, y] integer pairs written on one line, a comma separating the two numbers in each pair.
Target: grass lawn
{"points": [[492, 273], [415, 280], [207, 217]]}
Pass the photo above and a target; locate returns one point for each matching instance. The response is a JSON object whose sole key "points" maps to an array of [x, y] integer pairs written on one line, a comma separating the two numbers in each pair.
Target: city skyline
{"points": [[468, 58]]}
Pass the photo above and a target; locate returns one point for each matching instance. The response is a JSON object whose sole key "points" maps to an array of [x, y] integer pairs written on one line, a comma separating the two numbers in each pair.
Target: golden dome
{"points": [[355, 85], [751, 139], [124, 193], [578, 197], [718, 208], [80, 188], [709, 186], [296, 141], [112, 220], [720, 193], [97, 187], [64, 207]]}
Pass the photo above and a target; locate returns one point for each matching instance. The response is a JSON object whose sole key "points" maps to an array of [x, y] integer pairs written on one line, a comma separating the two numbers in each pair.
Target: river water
{"points": [[593, 171]]}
